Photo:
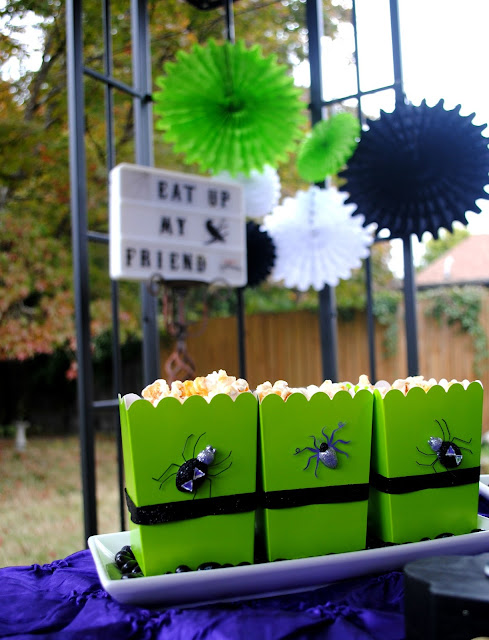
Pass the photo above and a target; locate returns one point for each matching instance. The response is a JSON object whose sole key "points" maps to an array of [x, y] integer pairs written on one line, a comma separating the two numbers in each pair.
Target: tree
{"points": [[445, 242], [36, 302]]}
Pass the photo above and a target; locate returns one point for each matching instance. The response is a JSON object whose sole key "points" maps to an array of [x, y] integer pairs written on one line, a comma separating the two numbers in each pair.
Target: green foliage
{"points": [[461, 306], [445, 242], [36, 302], [385, 307], [33, 383], [350, 294], [7, 431], [36, 308], [102, 348], [273, 298]]}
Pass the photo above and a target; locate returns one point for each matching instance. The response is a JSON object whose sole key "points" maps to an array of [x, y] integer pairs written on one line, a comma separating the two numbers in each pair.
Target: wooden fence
{"points": [[287, 346]]}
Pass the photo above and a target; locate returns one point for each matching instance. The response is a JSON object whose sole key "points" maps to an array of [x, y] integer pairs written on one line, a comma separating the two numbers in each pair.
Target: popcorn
{"points": [[330, 388], [155, 391], [282, 388], [205, 386], [177, 390], [201, 386], [264, 389], [240, 386], [220, 382], [405, 384]]}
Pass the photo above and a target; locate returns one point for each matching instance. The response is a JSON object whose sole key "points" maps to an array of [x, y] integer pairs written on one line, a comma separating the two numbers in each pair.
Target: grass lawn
{"points": [[41, 500]]}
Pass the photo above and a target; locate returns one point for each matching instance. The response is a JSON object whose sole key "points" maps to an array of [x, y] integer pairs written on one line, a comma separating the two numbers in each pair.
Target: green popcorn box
{"points": [[425, 462], [315, 460], [190, 472]]}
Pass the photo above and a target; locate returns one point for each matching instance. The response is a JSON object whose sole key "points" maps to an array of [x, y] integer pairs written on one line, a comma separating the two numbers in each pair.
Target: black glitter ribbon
{"points": [[190, 509], [286, 499], [290, 498], [409, 484]]}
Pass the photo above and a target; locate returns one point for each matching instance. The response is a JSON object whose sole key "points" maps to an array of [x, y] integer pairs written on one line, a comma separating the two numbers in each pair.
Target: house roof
{"points": [[466, 263]]}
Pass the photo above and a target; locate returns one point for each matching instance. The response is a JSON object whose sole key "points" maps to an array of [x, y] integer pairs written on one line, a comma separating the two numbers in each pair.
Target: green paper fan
{"points": [[228, 108], [328, 147]]}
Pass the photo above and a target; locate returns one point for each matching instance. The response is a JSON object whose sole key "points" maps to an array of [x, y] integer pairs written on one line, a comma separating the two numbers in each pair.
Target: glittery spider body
{"points": [[195, 471], [325, 451], [444, 449]]}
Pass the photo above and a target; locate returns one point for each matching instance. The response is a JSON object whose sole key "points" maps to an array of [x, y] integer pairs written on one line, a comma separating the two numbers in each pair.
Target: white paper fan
{"points": [[317, 239], [261, 190]]}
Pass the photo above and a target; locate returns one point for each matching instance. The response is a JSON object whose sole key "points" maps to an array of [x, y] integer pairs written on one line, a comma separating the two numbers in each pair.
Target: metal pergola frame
{"points": [[140, 91]]}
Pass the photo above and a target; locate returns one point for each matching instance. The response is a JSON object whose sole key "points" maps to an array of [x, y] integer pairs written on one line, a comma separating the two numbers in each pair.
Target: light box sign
{"points": [[176, 225]]}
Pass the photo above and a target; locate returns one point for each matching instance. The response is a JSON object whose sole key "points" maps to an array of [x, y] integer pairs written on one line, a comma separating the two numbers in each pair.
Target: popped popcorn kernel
{"points": [[282, 388], [204, 386], [155, 391], [406, 384]]}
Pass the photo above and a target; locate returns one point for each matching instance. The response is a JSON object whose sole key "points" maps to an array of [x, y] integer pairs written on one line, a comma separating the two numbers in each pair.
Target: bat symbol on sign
{"points": [[218, 233]]}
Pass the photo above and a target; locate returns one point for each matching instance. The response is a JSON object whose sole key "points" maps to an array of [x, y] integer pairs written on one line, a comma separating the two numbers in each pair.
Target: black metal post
{"points": [[368, 262], [327, 298], [116, 385], [76, 103], [114, 286], [230, 35], [109, 128], [241, 326], [409, 277], [143, 126], [357, 68], [396, 50], [240, 300], [410, 308], [370, 321]]}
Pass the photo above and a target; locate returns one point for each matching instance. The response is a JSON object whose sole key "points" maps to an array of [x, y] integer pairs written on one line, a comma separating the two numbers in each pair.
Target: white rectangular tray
{"points": [[272, 578]]}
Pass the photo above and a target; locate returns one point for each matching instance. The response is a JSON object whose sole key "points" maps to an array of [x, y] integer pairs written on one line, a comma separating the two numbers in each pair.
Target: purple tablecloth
{"points": [[64, 599]]}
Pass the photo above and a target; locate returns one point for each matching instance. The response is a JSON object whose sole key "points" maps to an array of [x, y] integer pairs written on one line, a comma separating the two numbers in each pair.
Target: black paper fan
{"points": [[261, 254], [418, 169]]}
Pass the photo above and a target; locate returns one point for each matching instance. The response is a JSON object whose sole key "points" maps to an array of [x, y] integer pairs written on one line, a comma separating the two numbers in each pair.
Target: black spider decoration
{"points": [[418, 169], [446, 452], [325, 452], [193, 472], [260, 253]]}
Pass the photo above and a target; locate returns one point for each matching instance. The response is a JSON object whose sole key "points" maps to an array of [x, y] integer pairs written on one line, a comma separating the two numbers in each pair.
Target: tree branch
{"points": [[40, 76]]}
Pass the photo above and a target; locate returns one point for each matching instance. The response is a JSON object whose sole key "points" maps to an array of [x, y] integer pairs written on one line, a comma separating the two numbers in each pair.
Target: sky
{"points": [[28, 36], [445, 56]]}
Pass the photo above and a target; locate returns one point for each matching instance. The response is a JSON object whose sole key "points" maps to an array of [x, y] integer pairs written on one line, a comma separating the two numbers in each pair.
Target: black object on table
{"points": [[447, 597]]}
